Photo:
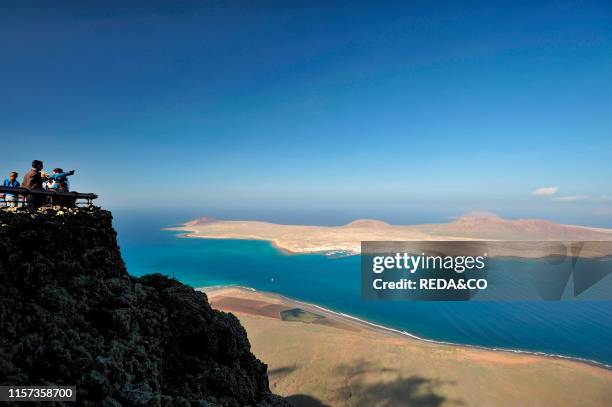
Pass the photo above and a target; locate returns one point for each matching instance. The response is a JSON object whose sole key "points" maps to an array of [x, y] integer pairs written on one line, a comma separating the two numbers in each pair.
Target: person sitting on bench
{"points": [[11, 182]]}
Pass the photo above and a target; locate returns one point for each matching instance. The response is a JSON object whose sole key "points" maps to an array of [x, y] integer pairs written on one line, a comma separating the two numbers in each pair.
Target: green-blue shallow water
{"points": [[576, 329]]}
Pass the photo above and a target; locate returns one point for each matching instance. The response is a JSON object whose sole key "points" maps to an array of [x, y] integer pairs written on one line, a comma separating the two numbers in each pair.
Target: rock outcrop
{"points": [[70, 314]]}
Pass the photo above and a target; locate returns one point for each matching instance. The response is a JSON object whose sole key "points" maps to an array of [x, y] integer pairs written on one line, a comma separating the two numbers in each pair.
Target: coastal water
{"points": [[576, 329]]}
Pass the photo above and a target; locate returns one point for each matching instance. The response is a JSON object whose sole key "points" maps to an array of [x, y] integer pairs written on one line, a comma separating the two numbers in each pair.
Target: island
{"points": [[347, 238]]}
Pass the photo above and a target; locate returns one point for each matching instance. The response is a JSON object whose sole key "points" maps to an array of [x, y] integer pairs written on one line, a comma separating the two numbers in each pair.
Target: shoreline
{"points": [[405, 334], [346, 252], [184, 234]]}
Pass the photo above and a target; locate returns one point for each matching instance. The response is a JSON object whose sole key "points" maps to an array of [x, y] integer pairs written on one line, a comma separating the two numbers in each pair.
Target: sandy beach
{"points": [[347, 238], [318, 357]]}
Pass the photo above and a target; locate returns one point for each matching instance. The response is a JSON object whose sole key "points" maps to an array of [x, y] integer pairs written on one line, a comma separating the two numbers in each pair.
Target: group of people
{"points": [[37, 179]]}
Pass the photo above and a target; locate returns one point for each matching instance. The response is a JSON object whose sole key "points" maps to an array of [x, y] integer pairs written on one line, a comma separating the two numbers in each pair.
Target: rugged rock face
{"points": [[71, 315]]}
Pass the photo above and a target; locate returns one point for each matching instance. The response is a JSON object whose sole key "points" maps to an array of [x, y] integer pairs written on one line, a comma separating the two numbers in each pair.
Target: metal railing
{"points": [[45, 197]]}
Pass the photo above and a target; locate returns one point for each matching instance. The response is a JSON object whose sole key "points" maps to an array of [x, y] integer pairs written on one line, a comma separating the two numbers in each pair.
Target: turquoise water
{"points": [[577, 329]]}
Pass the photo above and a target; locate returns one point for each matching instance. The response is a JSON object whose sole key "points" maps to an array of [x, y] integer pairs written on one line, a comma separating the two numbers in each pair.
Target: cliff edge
{"points": [[71, 315]]}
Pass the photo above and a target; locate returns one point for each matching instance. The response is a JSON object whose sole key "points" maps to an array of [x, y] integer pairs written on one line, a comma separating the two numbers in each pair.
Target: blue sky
{"points": [[399, 110]]}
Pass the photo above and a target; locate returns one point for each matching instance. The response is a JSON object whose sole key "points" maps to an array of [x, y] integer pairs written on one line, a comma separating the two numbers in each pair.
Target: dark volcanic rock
{"points": [[71, 315]]}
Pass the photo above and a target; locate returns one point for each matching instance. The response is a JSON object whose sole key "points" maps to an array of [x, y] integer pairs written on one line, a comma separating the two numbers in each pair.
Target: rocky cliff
{"points": [[71, 315]]}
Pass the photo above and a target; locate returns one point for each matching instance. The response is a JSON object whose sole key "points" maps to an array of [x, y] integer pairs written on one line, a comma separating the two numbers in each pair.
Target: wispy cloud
{"points": [[574, 198], [545, 191]]}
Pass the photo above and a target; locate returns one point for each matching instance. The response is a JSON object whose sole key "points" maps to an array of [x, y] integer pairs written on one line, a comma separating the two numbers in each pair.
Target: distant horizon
{"points": [[319, 217]]}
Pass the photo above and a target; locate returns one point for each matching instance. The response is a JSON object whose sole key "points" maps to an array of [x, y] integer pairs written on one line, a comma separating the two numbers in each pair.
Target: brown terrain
{"points": [[348, 238], [319, 358]]}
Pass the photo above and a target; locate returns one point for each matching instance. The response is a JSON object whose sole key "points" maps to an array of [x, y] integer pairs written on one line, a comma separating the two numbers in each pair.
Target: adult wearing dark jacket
{"points": [[34, 180]]}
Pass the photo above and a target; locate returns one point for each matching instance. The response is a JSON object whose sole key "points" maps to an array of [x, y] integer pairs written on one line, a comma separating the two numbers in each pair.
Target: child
{"points": [[11, 182], [59, 179]]}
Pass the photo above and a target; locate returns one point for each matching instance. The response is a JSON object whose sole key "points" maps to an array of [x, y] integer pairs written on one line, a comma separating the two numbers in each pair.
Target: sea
{"points": [[575, 329]]}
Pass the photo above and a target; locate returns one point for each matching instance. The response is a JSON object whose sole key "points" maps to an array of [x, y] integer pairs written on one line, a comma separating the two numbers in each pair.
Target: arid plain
{"points": [[316, 357]]}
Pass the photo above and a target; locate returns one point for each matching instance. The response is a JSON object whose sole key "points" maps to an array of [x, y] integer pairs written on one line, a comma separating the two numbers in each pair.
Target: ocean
{"points": [[575, 329]]}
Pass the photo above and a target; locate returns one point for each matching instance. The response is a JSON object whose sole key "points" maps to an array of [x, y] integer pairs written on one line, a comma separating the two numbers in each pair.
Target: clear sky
{"points": [[400, 110]]}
